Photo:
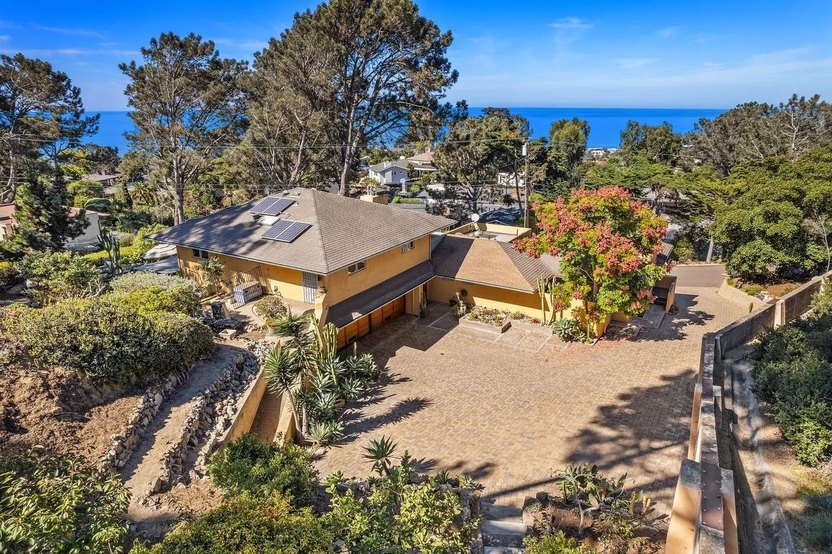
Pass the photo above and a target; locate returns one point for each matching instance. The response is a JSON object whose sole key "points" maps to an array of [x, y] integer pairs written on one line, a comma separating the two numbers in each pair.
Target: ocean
{"points": [[605, 124]]}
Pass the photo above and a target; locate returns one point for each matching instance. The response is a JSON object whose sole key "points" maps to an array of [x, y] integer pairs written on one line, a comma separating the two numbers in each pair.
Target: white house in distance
{"points": [[390, 172]]}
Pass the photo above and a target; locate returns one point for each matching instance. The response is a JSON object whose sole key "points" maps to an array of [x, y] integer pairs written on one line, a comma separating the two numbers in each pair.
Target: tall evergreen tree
{"points": [[41, 114], [389, 70], [567, 145], [186, 105]]}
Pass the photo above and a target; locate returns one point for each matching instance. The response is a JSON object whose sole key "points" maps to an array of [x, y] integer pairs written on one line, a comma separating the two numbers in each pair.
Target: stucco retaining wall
{"points": [[705, 516]]}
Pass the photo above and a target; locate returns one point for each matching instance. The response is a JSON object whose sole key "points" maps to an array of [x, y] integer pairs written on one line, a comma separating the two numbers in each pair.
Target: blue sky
{"points": [[542, 53]]}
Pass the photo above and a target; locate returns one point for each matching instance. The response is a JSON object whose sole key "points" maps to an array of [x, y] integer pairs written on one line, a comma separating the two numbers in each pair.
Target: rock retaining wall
{"points": [[212, 413], [122, 445]]}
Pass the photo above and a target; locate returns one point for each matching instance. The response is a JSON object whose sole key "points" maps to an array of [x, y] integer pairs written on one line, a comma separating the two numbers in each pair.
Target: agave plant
{"points": [[379, 452], [325, 432], [352, 387]]}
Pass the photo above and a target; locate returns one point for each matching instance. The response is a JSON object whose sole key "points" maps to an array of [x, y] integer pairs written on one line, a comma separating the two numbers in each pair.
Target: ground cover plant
{"points": [[51, 503]]}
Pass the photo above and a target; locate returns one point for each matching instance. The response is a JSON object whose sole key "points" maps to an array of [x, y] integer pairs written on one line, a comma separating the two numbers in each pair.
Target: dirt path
{"points": [[145, 466]]}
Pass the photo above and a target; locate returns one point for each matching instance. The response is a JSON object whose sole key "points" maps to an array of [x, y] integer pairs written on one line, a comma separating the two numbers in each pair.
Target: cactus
{"points": [[110, 244]]}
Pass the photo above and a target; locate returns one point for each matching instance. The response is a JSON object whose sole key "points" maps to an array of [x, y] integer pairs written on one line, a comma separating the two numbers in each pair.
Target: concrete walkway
{"points": [[511, 414]]}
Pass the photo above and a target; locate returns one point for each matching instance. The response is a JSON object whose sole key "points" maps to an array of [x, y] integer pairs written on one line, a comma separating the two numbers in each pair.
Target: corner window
{"points": [[201, 254], [407, 247], [356, 267]]}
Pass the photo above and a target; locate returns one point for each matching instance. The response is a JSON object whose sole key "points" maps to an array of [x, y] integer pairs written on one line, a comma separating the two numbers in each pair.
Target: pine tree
{"points": [[43, 220]]}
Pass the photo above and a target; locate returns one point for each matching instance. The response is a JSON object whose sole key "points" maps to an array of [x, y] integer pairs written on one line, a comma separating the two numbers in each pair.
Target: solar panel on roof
{"points": [[263, 204], [293, 231], [277, 228], [286, 230], [271, 206]]}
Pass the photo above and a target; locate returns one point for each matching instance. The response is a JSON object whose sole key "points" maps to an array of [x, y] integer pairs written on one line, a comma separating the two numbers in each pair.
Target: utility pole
{"points": [[526, 185]]}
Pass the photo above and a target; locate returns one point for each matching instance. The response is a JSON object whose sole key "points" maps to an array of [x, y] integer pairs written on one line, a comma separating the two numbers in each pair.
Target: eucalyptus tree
{"points": [[41, 115], [389, 70], [187, 106]]}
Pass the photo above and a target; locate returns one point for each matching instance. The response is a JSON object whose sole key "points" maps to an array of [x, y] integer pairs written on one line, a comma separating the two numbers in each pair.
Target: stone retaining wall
{"points": [[212, 413], [122, 445]]}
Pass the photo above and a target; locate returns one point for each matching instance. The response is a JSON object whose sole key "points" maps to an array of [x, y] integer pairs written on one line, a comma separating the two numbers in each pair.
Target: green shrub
{"points": [[754, 290], [398, 514], [822, 301], [250, 466], [105, 340], [270, 307], [82, 191], [793, 372], [180, 299], [568, 329], [178, 341], [683, 251], [59, 275], [8, 273], [248, 525], [558, 543], [140, 280], [59, 504]]}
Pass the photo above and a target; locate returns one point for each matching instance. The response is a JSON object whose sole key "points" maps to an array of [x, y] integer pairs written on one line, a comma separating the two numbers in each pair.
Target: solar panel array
{"points": [[271, 206], [286, 230]]}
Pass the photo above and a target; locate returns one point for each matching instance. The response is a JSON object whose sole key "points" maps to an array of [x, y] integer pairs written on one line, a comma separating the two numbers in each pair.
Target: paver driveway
{"points": [[513, 414]]}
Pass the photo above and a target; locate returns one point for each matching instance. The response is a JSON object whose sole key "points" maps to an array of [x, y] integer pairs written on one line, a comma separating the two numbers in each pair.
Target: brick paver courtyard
{"points": [[513, 411]]}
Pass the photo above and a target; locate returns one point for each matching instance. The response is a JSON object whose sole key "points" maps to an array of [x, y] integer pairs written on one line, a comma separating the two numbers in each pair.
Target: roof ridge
{"points": [[319, 227]]}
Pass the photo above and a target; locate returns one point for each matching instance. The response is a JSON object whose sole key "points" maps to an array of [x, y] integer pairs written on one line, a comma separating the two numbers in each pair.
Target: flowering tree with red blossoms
{"points": [[607, 242]]}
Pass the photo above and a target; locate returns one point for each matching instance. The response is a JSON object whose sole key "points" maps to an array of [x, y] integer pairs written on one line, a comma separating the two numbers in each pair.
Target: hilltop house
{"points": [[358, 263]]}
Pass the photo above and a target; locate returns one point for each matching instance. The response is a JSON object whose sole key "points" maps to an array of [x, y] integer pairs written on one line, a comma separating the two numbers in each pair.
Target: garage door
{"points": [[371, 322]]}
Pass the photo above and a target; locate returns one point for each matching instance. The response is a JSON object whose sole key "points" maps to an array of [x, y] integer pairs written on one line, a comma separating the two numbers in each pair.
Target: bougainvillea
{"points": [[607, 242]]}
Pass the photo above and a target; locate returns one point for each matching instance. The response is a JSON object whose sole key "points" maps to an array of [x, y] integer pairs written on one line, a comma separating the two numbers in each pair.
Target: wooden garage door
{"points": [[371, 322]]}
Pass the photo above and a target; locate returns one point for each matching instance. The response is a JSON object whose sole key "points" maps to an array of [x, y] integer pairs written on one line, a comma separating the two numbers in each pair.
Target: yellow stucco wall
{"points": [[281, 279], [442, 290], [341, 285]]}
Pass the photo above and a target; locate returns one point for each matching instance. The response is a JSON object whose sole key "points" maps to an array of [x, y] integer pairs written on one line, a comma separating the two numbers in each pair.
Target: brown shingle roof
{"points": [[344, 231], [488, 262]]}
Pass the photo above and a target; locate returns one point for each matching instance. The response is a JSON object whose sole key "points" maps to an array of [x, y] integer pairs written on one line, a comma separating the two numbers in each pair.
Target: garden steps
{"points": [[502, 528]]}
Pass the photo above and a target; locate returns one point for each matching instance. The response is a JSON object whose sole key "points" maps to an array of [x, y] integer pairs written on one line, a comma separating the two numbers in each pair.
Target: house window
{"points": [[407, 247], [358, 266], [201, 254]]}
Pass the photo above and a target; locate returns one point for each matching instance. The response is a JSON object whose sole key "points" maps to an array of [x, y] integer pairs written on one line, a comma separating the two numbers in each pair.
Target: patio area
{"points": [[513, 409]]}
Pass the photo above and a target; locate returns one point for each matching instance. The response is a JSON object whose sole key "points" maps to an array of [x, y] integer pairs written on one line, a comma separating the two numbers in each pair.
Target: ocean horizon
{"points": [[605, 124]]}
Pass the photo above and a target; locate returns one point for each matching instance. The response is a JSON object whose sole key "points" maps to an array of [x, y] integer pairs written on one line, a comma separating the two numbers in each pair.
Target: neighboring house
{"points": [[390, 173], [507, 179], [356, 263], [421, 164], [108, 181], [88, 239], [7, 221]]}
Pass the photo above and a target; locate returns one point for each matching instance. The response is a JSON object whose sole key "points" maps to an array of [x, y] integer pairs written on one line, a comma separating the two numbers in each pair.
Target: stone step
{"points": [[498, 512], [503, 541], [503, 527], [502, 550]]}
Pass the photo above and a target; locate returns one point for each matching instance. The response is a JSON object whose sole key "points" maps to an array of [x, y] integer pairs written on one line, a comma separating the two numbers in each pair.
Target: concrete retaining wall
{"points": [[704, 517], [246, 410]]}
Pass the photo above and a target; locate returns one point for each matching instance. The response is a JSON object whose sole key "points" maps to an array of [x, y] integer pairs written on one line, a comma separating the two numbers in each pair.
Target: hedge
{"points": [[105, 340]]}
